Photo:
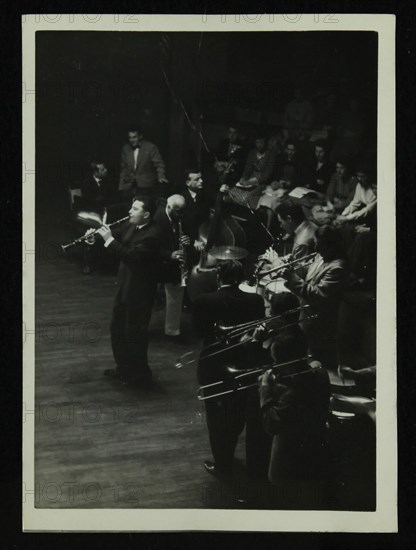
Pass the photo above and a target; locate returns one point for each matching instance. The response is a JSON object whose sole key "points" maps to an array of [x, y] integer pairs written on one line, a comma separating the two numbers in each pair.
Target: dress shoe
{"points": [[114, 374], [211, 468]]}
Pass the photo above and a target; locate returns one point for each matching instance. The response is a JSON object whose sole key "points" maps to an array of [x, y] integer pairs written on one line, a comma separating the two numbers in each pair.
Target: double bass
{"points": [[224, 233]]}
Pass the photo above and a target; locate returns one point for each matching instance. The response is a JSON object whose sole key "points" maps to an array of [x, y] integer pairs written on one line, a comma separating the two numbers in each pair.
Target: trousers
{"points": [[174, 298]]}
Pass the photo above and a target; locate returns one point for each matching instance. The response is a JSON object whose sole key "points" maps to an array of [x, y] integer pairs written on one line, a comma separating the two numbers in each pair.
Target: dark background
{"points": [[92, 85]]}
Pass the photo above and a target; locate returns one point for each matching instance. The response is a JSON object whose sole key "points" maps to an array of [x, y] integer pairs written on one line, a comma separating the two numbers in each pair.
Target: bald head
{"points": [[175, 206]]}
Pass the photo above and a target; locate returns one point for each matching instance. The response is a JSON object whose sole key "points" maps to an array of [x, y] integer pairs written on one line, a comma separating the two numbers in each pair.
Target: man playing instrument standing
{"points": [[137, 246], [227, 415]]}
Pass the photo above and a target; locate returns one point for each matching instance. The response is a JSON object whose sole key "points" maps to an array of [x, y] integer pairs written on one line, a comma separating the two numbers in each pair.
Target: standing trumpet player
{"points": [[173, 256], [321, 286], [295, 226]]}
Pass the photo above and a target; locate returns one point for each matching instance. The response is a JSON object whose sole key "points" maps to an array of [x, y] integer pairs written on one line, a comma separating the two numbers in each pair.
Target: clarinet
{"points": [[184, 262]]}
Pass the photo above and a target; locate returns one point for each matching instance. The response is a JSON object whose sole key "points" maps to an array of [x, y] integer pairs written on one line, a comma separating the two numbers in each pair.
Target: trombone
{"points": [[303, 261], [225, 333], [91, 235], [244, 330], [236, 381]]}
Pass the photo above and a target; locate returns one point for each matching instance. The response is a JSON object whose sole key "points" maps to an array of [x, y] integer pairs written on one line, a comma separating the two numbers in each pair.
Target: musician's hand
{"points": [[105, 232], [362, 229], [271, 256], [341, 218], [267, 379], [286, 273], [90, 240], [224, 188], [260, 333], [185, 240], [199, 246], [177, 256], [163, 180]]}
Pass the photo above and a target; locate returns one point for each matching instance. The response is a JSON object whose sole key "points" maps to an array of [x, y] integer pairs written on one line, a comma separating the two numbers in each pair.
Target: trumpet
{"points": [[91, 235], [236, 379], [303, 261]]}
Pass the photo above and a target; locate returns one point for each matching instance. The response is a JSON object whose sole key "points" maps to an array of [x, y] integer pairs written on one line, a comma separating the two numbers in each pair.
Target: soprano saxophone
{"points": [[184, 262]]}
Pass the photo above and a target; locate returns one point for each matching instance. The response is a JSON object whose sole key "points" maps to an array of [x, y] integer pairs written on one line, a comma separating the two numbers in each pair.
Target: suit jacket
{"points": [[324, 173], [150, 166], [169, 270], [231, 306], [303, 241], [263, 168], [196, 212], [96, 197], [138, 252], [322, 288]]}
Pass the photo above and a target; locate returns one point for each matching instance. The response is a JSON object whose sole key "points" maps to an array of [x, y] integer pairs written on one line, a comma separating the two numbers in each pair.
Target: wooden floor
{"points": [[99, 444]]}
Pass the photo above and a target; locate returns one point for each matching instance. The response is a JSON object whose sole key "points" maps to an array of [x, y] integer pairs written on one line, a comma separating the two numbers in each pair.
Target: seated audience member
{"points": [[294, 401], [318, 175], [288, 167], [321, 287], [276, 142], [97, 192], [270, 198], [97, 195], [142, 169], [230, 149], [292, 221], [298, 113], [363, 204], [259, 165], [341, 187]]}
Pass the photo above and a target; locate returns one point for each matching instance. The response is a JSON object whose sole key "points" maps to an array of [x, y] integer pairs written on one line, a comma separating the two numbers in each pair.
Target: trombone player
{"points": [[321, 286], [226, 415], [295, 226]]}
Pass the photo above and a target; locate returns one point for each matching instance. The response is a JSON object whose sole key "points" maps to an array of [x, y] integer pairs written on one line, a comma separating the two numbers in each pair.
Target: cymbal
{"points": [[225, 252]]}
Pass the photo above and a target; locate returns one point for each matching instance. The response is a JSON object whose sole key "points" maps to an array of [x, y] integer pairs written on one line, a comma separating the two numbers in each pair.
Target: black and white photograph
{"points": [[209, 333]]}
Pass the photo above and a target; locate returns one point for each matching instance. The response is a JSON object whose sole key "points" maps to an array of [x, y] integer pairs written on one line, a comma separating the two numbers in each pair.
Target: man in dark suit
{"points": [[196, 205], [97, 192], [228, 414], [142, 168], [137, 245], [97, 195]]}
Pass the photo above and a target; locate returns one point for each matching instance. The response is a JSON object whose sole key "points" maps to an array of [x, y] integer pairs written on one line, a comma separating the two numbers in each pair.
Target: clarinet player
{"points": [[173, 261]]}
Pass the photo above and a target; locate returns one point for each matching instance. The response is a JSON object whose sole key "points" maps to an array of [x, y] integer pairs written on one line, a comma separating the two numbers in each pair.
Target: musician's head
{"points": [[98, 169], [142, 209], [290, 216], [175, 206], [289, 345], [135, 135], [232, 134], [193, 179], [329, 243], [230, 272]]}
